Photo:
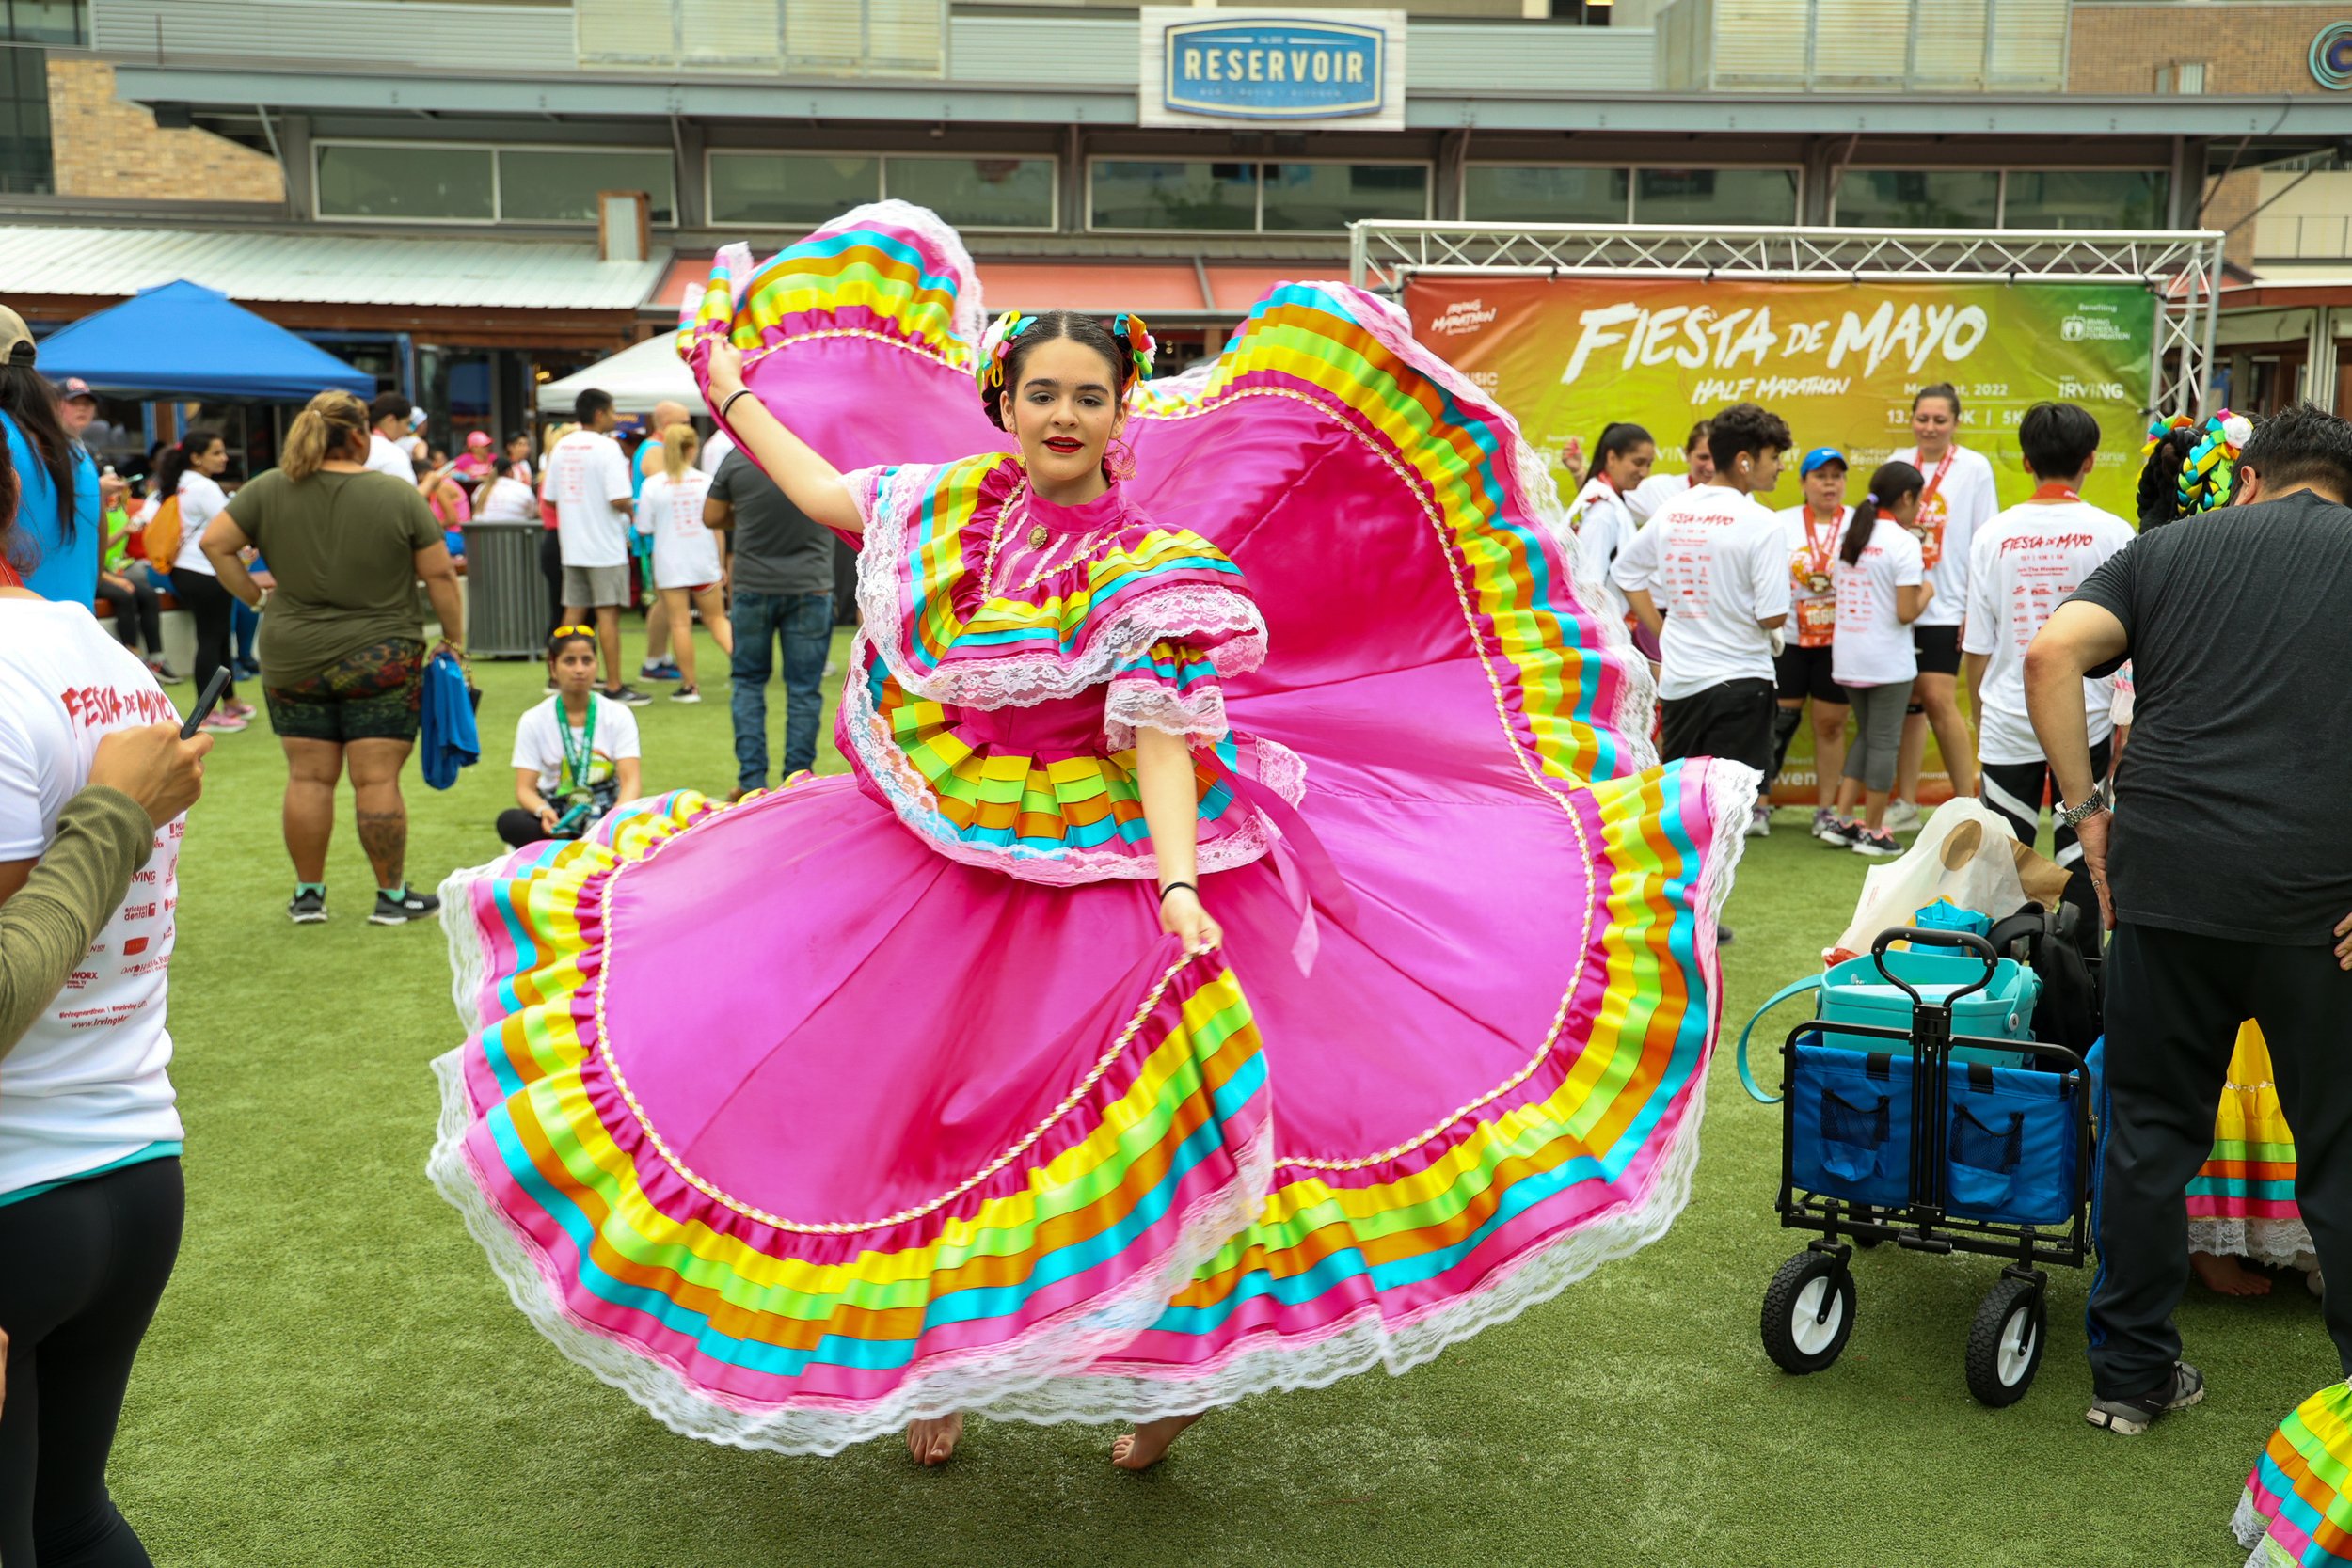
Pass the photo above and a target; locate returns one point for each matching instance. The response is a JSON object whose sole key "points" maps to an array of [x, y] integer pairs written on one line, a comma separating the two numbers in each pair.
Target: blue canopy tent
{"points": [[184, 341]]}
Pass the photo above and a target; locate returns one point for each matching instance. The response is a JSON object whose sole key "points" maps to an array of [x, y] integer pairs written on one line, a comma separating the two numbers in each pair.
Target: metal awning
{"points": [[315, 267]]}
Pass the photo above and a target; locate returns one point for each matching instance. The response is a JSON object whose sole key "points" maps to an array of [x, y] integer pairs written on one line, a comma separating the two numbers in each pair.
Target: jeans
{"points": [[803, 622]]}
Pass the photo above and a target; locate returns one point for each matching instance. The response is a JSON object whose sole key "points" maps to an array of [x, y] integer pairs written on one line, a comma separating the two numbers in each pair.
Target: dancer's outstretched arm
{"points": [[807, 479], [1171, 810]]}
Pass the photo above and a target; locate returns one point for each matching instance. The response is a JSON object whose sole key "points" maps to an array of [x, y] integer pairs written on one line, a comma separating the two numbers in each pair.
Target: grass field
{"points": [[337, 1378]]}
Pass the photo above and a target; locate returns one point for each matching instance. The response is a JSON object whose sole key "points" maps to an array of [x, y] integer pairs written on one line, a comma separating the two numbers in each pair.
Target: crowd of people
{"points": [[2161, 686]]}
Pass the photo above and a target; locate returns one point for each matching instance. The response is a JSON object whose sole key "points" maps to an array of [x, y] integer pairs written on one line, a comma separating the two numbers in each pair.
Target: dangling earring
{"points": [[1118, 460]]}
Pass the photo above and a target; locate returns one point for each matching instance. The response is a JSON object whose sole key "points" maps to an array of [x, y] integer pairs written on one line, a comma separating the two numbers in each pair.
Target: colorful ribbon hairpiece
{"points": [[1137, 337], [2210, 469], [996, 345]]}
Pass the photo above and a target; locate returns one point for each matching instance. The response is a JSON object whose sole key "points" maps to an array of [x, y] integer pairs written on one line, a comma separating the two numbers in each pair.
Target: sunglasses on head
{"points": [[571, 631]]}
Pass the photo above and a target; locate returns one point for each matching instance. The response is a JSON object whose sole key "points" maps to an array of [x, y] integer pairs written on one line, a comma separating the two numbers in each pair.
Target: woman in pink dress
{"points": [[1254, 943]]}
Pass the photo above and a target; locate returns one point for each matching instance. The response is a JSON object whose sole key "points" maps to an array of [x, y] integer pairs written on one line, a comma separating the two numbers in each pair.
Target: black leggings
{"points": [[85, 1265], [551, 567], [137, 614], [210, 604]]}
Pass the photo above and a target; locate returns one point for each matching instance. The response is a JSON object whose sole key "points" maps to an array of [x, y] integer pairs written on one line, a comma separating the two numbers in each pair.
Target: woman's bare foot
{"points": [[1143, 1447], [2227, 1277], [930, 1442]]}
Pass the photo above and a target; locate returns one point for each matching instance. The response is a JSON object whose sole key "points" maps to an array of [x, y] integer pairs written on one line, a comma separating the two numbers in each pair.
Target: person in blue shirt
{"points": [[56, 513]]}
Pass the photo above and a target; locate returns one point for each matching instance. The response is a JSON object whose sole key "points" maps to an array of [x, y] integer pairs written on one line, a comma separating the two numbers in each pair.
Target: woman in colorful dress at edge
{"points": [[1119, 1038], [1958, 500]]}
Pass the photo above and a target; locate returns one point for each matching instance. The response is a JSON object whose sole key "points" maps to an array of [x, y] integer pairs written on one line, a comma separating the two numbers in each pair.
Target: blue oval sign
{"points": [[1275, 69]]}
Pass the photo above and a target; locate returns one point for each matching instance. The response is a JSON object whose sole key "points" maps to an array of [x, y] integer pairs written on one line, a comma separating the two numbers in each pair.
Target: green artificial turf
{"points": [[336, 1377]]}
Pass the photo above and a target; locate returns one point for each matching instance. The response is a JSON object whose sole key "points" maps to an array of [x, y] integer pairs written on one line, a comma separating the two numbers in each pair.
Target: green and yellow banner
{"points": [[1838, 361]]}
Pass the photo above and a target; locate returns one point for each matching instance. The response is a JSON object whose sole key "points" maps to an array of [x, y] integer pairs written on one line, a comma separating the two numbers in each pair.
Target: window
{"points": [[1174, 196], [26, 166], [1918, 198], [2085, 199], [448, 184], [2182, 76], [789, 190], [1711, 195], [977, 193], [550, 185], [455, 183], [1532, 194], [61, 23], [1329, 197]]}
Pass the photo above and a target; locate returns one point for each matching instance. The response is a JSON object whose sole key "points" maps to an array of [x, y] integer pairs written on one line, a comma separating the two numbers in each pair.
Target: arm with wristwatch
{"points": [[2081, 637]]}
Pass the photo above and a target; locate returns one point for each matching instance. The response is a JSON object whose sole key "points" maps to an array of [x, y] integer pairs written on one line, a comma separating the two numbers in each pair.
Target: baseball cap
{"points": [[16, 338], [479, 438], [415, 417], [1820, 456], [74, 388]]}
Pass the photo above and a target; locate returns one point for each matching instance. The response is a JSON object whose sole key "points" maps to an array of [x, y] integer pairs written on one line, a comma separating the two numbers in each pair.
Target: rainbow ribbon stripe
{"points": [[2294, 1513]]}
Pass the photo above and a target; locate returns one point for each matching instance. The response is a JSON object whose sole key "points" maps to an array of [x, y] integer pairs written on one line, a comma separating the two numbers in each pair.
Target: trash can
{"points": [[506, 609]]}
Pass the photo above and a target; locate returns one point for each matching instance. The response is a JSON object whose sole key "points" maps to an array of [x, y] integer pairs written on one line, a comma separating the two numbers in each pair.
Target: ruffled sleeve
{"points": [[1171, 685]]}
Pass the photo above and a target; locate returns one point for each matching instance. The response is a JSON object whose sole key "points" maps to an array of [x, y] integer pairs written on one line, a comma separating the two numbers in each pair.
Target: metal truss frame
{"points": [[2182, 268]]}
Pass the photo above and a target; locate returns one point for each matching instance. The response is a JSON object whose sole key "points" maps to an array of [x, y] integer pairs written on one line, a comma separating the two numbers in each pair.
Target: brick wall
{"points": [[103, 148]]}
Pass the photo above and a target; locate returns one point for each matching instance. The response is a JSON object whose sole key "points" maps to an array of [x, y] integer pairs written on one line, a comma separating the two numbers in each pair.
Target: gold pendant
{"points": [[1037, 537]]}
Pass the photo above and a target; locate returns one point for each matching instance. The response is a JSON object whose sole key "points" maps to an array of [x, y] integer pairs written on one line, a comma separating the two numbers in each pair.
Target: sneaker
{"points": [[245, 671], [1902, 816], [686, 694], [400, 911], [239, 710], [660, 670], [627, 694], [307, 908], [1877, 845], [1828, 828], [1760, 821], [1838, 835], [162, 669], [2129, 1417], [221, 722]]}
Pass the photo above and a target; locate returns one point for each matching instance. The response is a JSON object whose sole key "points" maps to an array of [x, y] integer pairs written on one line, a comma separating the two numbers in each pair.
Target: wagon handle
{"points": [[1931, 936]]}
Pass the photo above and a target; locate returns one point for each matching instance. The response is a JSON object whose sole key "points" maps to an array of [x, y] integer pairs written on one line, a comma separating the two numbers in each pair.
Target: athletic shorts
{"points": [[1802, 673], [594, 586], [371, 693], [1938, 648]]}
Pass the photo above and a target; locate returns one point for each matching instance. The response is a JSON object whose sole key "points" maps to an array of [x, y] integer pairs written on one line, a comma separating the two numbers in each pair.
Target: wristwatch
{"points": [[2070, 816]]}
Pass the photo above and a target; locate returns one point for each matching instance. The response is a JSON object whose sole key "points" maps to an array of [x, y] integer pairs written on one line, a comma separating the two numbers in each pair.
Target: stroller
{"points": [[1919, 1108]]}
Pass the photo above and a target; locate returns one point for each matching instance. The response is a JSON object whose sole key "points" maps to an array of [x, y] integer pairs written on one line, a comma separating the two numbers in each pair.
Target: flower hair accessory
{"points": [[1137, 337], [2210, 468], [996, 343]]}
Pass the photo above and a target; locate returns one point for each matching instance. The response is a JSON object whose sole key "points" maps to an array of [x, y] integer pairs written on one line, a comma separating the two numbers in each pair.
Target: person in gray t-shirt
{"points": [[784, 576]]}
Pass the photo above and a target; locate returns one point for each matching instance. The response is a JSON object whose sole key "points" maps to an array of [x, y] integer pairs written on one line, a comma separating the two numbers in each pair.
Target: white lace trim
{"points": [[1172, 613], [1197, 715], [911, 796], [1540, 498], [1046, 1350], [1366, 1341], [2280, 1243]]}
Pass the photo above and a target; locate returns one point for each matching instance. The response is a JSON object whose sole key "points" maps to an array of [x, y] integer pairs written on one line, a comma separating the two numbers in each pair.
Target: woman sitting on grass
{"points": [[575, 754]]}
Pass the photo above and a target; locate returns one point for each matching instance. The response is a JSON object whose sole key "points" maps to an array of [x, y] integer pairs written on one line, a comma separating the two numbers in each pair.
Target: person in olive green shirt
{"points": [[342, 645]]}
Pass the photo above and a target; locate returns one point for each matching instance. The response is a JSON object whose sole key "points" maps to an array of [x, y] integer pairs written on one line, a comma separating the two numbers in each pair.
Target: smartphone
{"points": [[213, 688]]}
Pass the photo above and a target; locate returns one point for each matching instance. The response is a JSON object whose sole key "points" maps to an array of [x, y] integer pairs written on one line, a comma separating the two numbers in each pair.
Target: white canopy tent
{"points": [[638, 378]]}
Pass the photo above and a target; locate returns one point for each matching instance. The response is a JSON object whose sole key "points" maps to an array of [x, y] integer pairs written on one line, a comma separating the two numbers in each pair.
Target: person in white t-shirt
{"points": [[1621, 460], [1713, 558], [1803, 667], [190, 474], [588, 479], [388, 426], [501, 497], [1958, 500], [1881, 586], [1644, 498], [576, 754], [715, 452], [2022, 567], [686, 567], [90, 1193]]}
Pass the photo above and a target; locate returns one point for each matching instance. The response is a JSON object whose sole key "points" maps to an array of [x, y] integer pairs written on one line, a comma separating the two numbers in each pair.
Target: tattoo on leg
{"points": [[384, 834]]}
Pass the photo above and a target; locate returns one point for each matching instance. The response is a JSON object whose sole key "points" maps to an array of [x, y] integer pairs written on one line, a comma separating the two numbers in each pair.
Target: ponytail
{"points": [[178, 459], [327, 424], [678, 446], [1890, 484], [1616, 441]]}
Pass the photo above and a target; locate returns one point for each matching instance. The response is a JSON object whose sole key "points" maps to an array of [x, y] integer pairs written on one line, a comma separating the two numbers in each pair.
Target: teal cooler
{"points": [[1856, 992]]}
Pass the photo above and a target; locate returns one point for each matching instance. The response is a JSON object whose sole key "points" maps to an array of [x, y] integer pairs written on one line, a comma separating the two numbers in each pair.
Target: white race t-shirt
{"points": [[586, 473], [1812, 575], [87, 1085], [1603, 529], [1873, 646], [1947, 530], [201, 501], [385, 458], [685, 553], [539, 744], [500, 498], [1644, 498], [2022, 568], [1715, 562], [715, 452]]}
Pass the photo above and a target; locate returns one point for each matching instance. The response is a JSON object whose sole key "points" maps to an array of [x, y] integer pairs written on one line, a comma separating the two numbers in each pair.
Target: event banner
{"points": [[1838, 361]]}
